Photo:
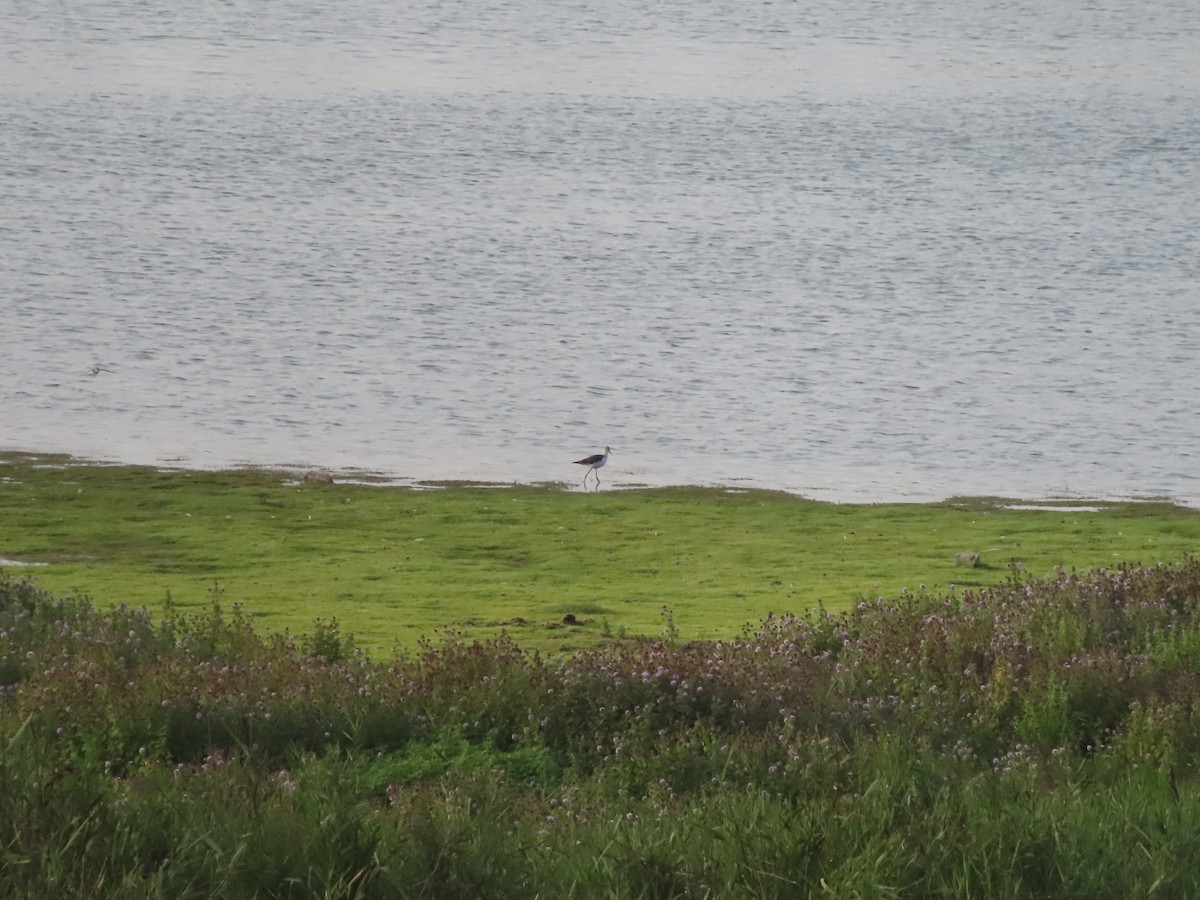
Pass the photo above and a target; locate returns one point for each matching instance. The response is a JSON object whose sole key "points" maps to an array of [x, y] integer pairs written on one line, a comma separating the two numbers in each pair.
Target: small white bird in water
{"points": [[594, 462], [96, 370]]}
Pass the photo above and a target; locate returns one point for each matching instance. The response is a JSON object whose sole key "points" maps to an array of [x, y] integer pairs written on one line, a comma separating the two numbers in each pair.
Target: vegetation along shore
{"points": [[555, 568], [1009, 730]]}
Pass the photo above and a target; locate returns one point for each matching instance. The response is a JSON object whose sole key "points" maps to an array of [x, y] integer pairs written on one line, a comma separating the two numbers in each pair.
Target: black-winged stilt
{"points": [[594, 462]]}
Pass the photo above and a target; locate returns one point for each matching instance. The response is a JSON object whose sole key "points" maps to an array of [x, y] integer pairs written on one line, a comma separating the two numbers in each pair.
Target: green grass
{"points": [[393, 564], [1040, 739]]}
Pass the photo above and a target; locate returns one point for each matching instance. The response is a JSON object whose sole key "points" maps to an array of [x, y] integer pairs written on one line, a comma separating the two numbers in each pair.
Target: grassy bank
{"points": [[392, 564], [1037, 740]]}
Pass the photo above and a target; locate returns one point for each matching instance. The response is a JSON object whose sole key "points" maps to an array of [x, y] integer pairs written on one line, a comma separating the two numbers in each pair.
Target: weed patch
{"points": [[1036, 738]]}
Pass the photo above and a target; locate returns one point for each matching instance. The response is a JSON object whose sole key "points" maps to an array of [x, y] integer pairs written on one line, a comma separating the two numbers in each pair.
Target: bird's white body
{"points": [[594, 462]]}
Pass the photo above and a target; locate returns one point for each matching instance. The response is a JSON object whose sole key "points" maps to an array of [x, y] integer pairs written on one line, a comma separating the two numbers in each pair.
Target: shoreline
{"points": [[369, 477]]}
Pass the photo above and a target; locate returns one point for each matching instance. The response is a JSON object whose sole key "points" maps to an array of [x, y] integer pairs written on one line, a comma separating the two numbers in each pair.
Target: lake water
{"points": [[848, 248]]}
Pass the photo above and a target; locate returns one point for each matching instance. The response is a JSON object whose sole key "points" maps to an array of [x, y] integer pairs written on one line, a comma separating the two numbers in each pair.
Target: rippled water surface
{"points": [[842, 248]]}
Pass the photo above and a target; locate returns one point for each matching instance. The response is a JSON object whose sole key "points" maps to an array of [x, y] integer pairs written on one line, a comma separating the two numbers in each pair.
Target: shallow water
{"points": [[838, 250]]}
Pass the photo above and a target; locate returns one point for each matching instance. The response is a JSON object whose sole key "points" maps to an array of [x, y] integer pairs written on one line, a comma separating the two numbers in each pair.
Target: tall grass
{"points": [[1037, 739]]}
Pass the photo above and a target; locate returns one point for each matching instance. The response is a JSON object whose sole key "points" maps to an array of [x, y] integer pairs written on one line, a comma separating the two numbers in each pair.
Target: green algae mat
{"points": [[557, 568]]}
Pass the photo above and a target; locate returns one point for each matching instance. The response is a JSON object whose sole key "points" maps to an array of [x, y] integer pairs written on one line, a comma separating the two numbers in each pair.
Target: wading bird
{"points": [[594, 462]]}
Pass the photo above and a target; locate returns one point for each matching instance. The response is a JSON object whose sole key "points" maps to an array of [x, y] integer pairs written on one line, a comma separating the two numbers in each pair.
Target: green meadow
{"points": [[1027, 727], [554, 567]]}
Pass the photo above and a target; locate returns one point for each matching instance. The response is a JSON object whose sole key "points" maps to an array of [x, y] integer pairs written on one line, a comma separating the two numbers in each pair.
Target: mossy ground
{"points": [[393, 564]]}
